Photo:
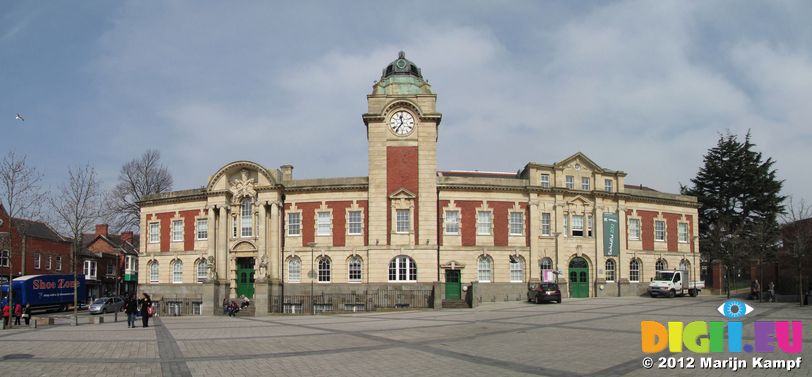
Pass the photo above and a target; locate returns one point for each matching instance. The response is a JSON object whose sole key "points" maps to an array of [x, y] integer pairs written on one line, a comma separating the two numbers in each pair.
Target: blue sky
{"points": [[643, 87]]}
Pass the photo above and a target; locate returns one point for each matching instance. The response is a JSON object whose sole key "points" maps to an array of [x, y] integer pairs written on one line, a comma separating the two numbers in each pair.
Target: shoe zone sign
{"points": [[782, 341]]}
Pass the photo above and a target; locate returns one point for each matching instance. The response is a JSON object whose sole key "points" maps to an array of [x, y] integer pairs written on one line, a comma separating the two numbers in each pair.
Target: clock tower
{"points": [[402, 124]]}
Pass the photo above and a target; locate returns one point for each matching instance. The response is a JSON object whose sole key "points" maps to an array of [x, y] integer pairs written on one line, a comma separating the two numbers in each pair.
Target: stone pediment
{"points": [[244, 246], [452, 265], [579, 161], [580, 200], [402, 193]]}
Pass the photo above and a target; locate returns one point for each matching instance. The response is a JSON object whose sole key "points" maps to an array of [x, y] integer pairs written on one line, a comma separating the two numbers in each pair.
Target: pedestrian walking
{"points": [[131, 309], [772, 292], [6, 315], [18, 313], [146, 308], [27, 314]]}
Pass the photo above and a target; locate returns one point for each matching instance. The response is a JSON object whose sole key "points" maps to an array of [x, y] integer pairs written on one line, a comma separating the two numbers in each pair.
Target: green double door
{"points": [[452, 285], [579, 278], [245, 277]]}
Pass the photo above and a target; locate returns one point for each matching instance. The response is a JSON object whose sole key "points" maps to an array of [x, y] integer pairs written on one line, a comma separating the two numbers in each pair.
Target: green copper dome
{"points": [[400, 77], [401, 66]]}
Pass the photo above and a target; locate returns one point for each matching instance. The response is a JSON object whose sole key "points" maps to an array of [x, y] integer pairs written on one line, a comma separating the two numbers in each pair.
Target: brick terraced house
{"points": [[358, 243]]}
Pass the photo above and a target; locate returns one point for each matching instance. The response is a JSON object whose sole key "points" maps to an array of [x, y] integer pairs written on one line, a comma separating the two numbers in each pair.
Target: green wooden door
{"points": [[452, 284], [245, 277], [579, 278]]}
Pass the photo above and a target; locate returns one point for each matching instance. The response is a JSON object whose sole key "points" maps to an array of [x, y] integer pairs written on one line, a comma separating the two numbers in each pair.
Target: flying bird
{"points": [[19, 117]]}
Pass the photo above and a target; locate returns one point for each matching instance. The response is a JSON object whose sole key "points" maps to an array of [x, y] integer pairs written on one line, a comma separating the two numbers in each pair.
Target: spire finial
{"points": [[401, 55]]}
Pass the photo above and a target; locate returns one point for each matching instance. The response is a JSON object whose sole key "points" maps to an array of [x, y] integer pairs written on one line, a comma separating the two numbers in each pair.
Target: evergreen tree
{"points": [[740, 203]]}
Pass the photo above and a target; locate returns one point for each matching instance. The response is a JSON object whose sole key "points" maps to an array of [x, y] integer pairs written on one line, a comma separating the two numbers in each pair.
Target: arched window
{"points": [[177, 272], [610, 270], [634, 271], [516, 269], [246, 226], [202, 270], [294, 270], [484, 269], [660, 265], [153, 272], [402, 268], [546, 264], [324, 269], [684, 265], [354, 268]]}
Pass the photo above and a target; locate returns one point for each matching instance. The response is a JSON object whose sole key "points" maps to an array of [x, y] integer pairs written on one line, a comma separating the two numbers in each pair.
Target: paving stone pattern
{"points": [[581, 337]]}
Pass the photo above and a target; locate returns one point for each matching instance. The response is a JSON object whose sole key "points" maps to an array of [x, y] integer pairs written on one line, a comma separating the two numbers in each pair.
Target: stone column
{"points": [[274, 237], [535, 226], [222, 245]]}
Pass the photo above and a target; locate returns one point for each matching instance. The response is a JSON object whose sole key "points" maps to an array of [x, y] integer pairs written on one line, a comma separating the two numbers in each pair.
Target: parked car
{"points": [[106, 305], [543, 292]]}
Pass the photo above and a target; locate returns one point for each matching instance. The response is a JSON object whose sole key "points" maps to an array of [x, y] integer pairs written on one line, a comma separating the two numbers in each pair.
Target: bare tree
{"points": [[22, 197], [137, 179], [797, 232], [77, 205]]}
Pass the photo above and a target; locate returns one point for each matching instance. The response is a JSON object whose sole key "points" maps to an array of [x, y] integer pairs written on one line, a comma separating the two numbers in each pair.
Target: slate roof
{"points": [[38, 229]]}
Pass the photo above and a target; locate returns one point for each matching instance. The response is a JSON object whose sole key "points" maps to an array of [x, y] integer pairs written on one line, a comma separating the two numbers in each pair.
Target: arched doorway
{"points": [[245, 277], [579, 277]]}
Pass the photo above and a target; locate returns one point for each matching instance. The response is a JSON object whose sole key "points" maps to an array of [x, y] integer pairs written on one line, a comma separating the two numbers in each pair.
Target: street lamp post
{"points": [[312, 275]]}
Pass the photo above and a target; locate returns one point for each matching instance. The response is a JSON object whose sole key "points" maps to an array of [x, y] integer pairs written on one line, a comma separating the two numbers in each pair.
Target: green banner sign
{"points": [[611, 235]]}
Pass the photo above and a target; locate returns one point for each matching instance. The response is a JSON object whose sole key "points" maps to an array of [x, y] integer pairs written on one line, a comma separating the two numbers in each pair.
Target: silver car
{"points": [[106, 305]]}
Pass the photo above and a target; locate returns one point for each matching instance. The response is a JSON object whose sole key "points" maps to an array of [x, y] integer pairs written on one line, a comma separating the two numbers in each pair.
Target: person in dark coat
{"points": [[131, 308], [27, 314], [146, 303]]}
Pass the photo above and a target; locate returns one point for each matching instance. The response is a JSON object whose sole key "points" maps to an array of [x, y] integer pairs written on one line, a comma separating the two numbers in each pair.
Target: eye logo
{"points": [[735, 309]]}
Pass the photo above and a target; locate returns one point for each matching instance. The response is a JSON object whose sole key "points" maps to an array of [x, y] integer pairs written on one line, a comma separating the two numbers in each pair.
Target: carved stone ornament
{"points": [[212, 270], [242, 187]]}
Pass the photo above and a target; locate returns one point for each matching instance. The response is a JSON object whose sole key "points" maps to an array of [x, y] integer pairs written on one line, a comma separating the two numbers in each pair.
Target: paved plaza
{"points": [[581, 337]]}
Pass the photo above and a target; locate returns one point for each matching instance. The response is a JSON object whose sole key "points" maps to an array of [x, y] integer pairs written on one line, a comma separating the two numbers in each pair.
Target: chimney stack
{"points": [[287, 172], [127, 236], [101, 230]]}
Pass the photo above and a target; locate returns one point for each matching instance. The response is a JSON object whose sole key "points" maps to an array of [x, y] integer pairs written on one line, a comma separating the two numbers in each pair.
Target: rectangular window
{"points": [[570, 182], [324, 224], [659, 230], [546, 226], [3, 258], [154, 233], [402, 220], [516, 223], [516, 273], [545, 180], [37, 258], [589, 226], [483, 224], [177, 230], [90, 269], [294, 224], [110, 270], [59, 263], [202, 229], [294, 270], [683, 232], [577, 226], [607, 185], [585, 183], [634, 229], [452, 222], [354, 226], [48, 262], [355, 270]]}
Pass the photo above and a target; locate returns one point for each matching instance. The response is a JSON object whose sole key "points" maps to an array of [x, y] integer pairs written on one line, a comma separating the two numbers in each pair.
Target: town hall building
{"points": [[408, 229]]}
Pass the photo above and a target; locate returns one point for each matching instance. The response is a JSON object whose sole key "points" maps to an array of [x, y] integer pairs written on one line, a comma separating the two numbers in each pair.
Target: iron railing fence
{"points": [[367, 301]]}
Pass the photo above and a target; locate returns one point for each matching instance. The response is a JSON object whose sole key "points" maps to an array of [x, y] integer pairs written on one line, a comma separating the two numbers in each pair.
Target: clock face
{"points": [[402, 123]]}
